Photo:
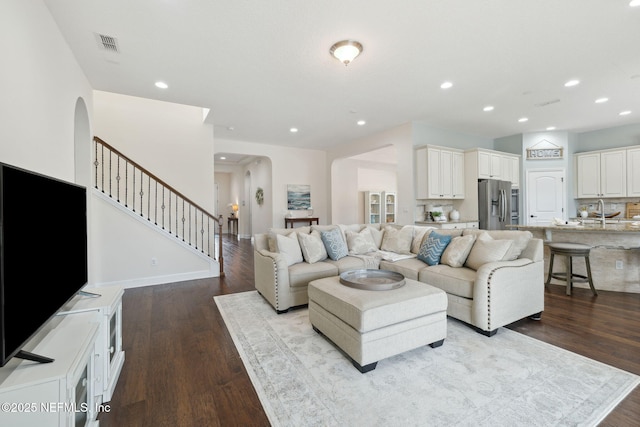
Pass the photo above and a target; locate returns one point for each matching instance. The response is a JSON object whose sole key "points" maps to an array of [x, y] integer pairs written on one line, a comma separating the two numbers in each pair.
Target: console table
{"points": [[232, 225], [307, 220]]}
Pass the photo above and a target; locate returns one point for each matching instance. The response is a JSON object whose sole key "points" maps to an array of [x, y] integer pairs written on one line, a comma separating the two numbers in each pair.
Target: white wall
{"points": [[40, 86], [401, 138], [40, 82], [171, 141], [288, 166]]}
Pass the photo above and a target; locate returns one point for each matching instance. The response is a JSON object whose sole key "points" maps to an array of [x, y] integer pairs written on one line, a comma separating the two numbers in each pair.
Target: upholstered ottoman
{"points": [[372, 325]]}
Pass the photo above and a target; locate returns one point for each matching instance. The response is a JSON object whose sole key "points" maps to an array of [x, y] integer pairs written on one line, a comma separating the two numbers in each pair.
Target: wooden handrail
{"points": [[150, 176]]}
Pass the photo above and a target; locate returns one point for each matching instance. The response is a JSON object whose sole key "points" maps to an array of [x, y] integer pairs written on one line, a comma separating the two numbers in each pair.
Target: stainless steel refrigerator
{"points": [[494, 204]]}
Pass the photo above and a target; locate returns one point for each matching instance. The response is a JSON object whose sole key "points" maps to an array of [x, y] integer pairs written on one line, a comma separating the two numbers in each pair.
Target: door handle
{"points": [[533, 216]]}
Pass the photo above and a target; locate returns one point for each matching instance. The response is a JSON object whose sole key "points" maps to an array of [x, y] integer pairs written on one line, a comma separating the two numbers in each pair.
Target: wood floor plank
{"points": [[182, 368]]}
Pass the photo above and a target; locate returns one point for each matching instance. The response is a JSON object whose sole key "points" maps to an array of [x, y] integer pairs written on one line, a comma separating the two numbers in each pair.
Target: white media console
{"points": [[85, 341]]}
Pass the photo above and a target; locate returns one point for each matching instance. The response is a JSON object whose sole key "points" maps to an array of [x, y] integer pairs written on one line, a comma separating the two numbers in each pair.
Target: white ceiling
{"points": [[263, 67]]}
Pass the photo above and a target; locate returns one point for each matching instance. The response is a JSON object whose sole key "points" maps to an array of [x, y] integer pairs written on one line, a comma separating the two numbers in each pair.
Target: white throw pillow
{"points": [[486, 250], [313, 249], [289, 247], [377, 235], [361, 242], [397, 240], [458, 250]]}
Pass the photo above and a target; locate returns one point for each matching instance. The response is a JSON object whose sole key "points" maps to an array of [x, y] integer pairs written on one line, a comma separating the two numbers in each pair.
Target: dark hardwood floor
{"points": [[182, 368]]}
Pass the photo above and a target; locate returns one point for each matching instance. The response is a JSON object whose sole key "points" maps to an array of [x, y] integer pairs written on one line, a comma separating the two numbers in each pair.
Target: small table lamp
{"points": [[234, 207]]}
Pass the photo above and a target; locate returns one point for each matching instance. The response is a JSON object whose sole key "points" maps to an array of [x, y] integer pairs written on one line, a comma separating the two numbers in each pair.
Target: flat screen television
{"points": [[43, 254]]}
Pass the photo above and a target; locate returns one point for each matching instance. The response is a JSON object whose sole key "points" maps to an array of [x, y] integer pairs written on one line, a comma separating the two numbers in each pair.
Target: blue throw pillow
{"points": [[334, 244], [433, 247]]}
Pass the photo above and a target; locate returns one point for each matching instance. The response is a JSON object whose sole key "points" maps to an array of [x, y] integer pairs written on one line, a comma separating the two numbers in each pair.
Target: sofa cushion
{"points": [[520, 238], [348, 263], [486, 249], [397, 240], [458, 250], [289, 247], [433, 247], [312, 247], [334, 243], [360, 242], [409, 268], [302, 273], [455, 281]]}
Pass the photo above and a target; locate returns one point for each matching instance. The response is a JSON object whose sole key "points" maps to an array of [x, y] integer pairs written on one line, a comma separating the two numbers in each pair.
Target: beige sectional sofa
{"points": [[491, 277]]}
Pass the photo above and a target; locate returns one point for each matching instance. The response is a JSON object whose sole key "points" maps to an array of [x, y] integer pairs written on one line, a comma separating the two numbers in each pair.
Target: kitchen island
{"points": [[614, 257]]}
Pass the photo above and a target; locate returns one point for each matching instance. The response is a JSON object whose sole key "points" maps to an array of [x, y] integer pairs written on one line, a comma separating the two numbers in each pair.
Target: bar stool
{"points": [[570, 250]]}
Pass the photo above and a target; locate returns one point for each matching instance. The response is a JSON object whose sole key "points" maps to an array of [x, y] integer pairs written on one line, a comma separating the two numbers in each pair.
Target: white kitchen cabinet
{"points": [[633, 172], [491, 164], [439, 173], [452, 225], [511, 170], [601, 174], [457, 175]]}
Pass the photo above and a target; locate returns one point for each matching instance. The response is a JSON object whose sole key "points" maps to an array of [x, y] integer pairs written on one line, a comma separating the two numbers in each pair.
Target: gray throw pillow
{"points": [[334, 244]]}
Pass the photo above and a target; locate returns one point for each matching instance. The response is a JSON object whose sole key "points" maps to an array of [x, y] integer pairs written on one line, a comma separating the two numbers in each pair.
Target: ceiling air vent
{"points": [[108, 43]]}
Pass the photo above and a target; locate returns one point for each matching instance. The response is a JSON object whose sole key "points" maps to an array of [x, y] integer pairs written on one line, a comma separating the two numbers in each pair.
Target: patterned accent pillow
{"points": [[361, 242], [397, 240], [458, 250], [486, 250], [419, 234], [313, 249], [334, 244], [377, 235], [289, 247], [433, 247]]}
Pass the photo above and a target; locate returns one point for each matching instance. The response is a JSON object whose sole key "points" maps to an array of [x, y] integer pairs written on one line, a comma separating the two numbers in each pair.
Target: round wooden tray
{"points": [[372, 280]]}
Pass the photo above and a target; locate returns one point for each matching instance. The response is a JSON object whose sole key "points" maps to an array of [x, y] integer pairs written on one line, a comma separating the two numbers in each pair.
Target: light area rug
{"points": [[472, 380]]}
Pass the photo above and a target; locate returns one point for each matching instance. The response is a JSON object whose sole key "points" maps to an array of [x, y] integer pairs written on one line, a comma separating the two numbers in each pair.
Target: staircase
{"points": [[140, 191]]}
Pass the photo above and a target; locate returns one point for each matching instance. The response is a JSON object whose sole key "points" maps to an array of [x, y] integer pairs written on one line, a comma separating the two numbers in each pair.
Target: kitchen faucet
{"points": [[601, 206]]}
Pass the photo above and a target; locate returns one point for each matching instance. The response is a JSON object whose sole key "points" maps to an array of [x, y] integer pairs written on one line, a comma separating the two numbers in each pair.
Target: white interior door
{"points": [[545, 196]]}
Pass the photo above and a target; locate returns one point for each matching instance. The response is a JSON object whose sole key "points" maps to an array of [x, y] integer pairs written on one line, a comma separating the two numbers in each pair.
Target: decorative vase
{"points": [[584, 214], [454, 215]]}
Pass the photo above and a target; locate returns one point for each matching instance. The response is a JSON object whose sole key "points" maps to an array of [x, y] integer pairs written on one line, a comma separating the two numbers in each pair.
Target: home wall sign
{"points": [[545, 150]]}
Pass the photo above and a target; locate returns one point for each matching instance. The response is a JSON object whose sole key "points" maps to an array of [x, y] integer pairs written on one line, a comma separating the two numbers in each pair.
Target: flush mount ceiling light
{"points": [[346, 51]]}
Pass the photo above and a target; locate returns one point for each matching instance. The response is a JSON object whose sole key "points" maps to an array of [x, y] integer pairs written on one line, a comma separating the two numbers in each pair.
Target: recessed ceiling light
{"points": [[223, 158], [293, 130], [551, 128], [625, 113], [162, 85], [523, 119], [488, 108], [571, 83], [446, 85], [634, 3], [601, 100], [361, 122]]}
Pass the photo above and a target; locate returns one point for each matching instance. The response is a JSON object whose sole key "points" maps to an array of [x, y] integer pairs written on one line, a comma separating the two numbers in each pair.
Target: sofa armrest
{"points": [[271, 276], [507, 291]]}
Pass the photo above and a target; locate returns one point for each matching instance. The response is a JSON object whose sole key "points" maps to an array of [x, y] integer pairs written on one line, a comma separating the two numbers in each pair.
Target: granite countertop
{"points": [[613, 227]]}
